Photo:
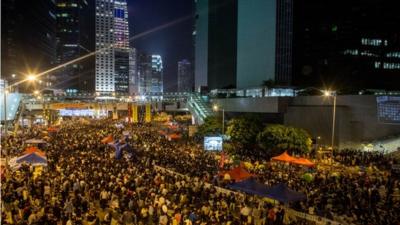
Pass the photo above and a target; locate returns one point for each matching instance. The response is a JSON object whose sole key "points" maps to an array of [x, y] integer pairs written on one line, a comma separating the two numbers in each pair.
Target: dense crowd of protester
{"points": [[84, 184]]}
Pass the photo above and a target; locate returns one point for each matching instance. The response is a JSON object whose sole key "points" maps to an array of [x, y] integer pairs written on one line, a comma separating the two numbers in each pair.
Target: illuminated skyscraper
{"points": [[112, 38], [157, 74], [105, 79], [121, 47]]}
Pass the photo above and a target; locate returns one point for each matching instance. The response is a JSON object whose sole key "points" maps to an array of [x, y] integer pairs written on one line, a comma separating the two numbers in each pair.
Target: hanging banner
{"points": [[134, 110], [147, 117]]}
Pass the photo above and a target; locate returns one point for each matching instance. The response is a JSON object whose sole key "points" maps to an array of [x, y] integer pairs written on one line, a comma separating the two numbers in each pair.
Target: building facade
{"points": [[28, 31], [112, 47], [157, 84], [75, 38], [105, 79], [133, 73], [241, 44], [185, 76], [121, 47], [347, 48]]}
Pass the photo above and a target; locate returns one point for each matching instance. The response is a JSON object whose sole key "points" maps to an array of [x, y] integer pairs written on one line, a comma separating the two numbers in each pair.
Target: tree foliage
{"points": [[212, 125], [280, 138], [244, 130]]}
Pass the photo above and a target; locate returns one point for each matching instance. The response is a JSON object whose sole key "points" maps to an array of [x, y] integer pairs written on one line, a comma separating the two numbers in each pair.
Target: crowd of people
{"points": [[84, 184]]}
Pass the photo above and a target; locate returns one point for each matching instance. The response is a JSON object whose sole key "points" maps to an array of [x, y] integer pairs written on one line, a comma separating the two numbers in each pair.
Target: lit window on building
{"points": [[391, 66], [371, 42], [377, 65], [351, 52], [393, 55]]}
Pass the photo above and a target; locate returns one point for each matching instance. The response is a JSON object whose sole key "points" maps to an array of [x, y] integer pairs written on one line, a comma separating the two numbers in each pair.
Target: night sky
{"points": [[172, 43]]}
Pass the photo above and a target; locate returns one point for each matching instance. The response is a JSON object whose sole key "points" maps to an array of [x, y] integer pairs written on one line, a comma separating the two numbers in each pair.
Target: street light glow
{"points": [[31, 77], [36, 92], [215, 107], [327, 93]]}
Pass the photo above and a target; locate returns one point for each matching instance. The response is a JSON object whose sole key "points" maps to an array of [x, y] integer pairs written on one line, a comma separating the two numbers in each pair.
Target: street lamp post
{"points": [[216, 108], [332, 94], [333, 120]]}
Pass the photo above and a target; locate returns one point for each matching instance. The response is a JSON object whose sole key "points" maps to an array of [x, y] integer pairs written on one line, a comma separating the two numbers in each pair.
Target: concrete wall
{"points": [[256, 105], [356, 116]]}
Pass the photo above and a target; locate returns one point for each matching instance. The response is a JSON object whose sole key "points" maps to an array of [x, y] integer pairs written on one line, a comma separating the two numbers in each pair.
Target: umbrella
{"points": [[33, 149], [32, 158]]}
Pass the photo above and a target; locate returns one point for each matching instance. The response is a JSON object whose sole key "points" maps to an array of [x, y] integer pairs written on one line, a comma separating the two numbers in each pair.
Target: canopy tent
{"points": [[237, 174], [284, 157], [32, 158], [282, 193], [303, 162], [33, 149], [250, 186], [35, 141]]}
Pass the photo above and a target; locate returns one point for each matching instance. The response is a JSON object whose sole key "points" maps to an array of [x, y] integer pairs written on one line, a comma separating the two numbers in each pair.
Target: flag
{"points": [[107, 139]]}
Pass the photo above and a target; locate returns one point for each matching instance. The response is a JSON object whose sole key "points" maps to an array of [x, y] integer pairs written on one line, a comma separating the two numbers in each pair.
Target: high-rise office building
{"points": [[185, 76], [150, 74], [105, 79], [75, 38], [133, 73], [347, 48], [112, 42], [28, 39], [121, 52], [144, 72], [157, 86], [243, 43]]}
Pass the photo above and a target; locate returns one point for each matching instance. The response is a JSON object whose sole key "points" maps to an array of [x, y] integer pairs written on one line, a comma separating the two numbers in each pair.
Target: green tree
{"points": [[212, 125], [279, 138], [244, 130]]}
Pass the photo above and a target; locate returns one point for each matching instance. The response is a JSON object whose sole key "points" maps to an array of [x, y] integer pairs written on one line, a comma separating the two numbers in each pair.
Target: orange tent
{"points": [[237, 174], [107, 139], [284, 157], [303, 162], [33, 149]]}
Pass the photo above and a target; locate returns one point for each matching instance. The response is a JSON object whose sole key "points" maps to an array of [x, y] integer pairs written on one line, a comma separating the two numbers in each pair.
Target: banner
{"points": [[129, 112], [147, 117], [134, 110]]}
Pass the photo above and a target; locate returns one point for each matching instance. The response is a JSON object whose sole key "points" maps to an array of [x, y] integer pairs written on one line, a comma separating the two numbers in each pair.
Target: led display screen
{"points": [[213, 143]]}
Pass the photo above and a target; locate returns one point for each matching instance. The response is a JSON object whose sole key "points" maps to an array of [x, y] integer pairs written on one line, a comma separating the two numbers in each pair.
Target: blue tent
{"points": [[32, 158], [282, 193], [250, 186]]}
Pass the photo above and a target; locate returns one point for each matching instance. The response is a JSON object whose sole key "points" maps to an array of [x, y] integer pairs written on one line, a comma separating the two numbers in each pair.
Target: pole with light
{"points": [[328, 93], [216, 109]]}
